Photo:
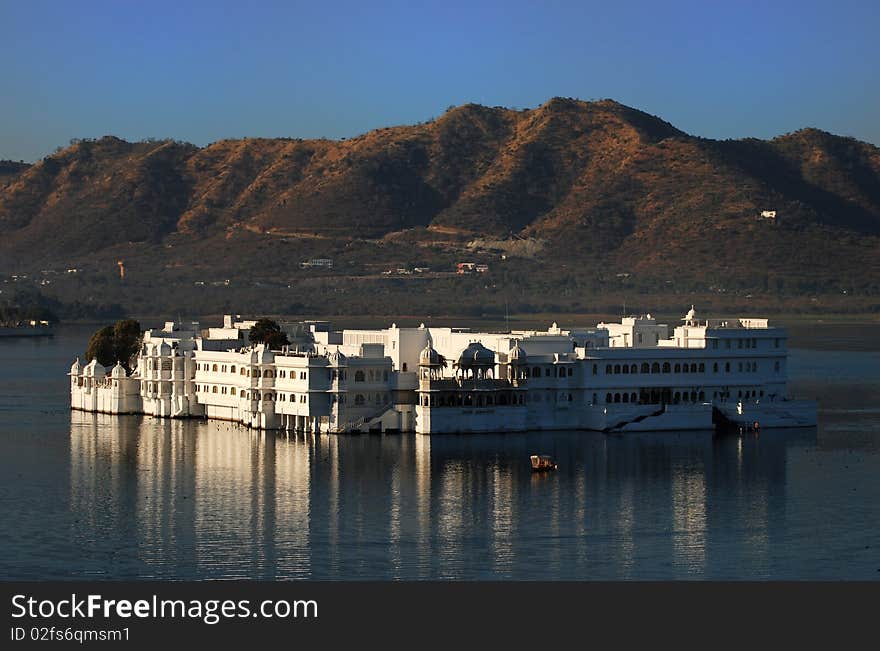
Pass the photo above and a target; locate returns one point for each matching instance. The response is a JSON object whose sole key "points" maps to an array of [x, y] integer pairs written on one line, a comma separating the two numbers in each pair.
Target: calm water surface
{"points": [[92, 496]]}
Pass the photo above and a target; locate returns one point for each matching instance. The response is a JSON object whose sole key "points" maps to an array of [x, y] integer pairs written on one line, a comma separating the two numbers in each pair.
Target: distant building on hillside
{"points": [[471, 267], [769, 214], [327, 263]]}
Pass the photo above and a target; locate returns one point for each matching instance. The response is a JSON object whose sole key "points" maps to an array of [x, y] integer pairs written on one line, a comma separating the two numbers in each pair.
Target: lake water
{"points": [[100, 497]]}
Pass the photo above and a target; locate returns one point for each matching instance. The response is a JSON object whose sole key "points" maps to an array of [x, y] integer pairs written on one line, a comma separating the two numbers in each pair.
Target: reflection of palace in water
{"points": [[214, 500]]}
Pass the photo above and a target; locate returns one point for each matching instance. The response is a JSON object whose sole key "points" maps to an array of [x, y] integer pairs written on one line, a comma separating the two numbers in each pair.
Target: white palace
{"points": [[627, 376]]}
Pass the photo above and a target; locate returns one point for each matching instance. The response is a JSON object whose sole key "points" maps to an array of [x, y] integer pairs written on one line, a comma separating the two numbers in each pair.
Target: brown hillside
{"points": [[597, 187], [10, 170]]}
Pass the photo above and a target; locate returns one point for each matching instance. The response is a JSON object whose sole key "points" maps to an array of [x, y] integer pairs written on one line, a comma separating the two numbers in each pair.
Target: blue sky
{"points": [[200, 71]]}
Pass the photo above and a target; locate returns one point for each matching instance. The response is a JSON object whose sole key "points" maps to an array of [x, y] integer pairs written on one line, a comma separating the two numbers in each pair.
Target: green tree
{"points": [[266, 331], [127, 338], [116, 343]]}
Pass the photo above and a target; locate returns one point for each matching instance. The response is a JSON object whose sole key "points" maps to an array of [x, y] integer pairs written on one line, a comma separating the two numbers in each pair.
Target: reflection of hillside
{"points": [[213, 500]]}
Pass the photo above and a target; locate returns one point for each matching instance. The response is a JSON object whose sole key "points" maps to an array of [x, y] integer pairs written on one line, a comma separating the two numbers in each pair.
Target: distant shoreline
{"points": [[516, 321]]}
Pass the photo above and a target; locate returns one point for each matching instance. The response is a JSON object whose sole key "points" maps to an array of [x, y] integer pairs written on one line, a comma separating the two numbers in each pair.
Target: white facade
{"points": [[628, 376]]}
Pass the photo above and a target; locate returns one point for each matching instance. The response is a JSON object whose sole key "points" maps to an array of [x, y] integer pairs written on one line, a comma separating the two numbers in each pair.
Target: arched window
{"points": [[715, 367], [684, 368], [694, 368], [626, 369], [702, 396], [633, 369], [570, 371], [666, 367], [359, 399], [727, 367], [678, 368], [609, 369], [645, 367], [626, 397], [595, 369], [655, 367], [214, 367], [358, 377], [609, 397], [702, 368], [536, 371], [241, 394], [617, 369], [676, 398], [214, 389], [616, 397]]}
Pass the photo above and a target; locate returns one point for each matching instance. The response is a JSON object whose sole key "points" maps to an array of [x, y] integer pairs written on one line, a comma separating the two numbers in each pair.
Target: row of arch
{"points": [[231, 368], [251, 395], [554, 371], [656, 367], [471, 400], [665, 395]]}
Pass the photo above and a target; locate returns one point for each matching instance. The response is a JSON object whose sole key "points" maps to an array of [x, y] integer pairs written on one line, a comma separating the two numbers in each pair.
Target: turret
{"points": [[517, 359], [430, 363]]}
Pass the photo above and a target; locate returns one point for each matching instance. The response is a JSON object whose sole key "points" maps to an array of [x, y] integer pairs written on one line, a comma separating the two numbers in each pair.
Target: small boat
{"points": [[542, 462]]}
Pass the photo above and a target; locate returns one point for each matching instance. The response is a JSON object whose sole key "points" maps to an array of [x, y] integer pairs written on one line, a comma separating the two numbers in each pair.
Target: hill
{"points": [[570, 204]]}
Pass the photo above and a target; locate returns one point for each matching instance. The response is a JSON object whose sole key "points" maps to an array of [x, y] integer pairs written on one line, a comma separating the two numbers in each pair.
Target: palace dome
{"points": [[93, 369], [429, 356], [76, 367], [118, 371], [476, 354], [517, 355]]}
